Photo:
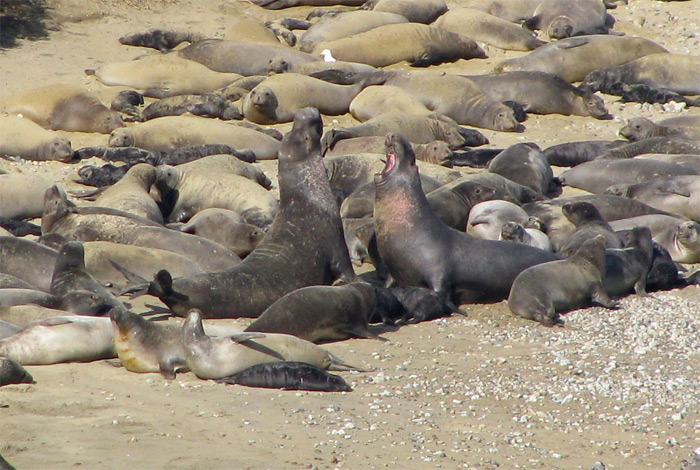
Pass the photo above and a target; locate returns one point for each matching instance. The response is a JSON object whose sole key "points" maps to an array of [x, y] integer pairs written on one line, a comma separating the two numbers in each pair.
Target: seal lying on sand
{"points": [[288, 375], [20, 137]]}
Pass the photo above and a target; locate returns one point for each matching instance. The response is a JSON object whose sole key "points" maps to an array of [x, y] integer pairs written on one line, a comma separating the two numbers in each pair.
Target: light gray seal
{"points": [[681, 238], [539, 293], [640, 128], [675, 194]]}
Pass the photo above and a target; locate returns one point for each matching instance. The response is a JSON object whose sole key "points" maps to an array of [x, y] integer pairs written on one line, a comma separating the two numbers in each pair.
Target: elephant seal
{"points": [[188, 191], [487, 217], [223, 163], [279, 97], [20, 137], [360, 203], [675, 72], [375, 100], [11, 372], [574, 58], [79, 302], [61, 339], [333, 26], [420, 45], [28, 261], [627, 268], [420, 250], [5, 465], [525, 164], [424, 11], [145, 346], [515, 11], [417, 129], [641, 93], [171, 132], [675, 194], [70, 275], [225, 227], [163, 75], [241, 57], [589, 223], [131, 193], [640, 128], [7, 329], [561, 19], [280, 4], [542, 93], [681, 238], [328, 313], [104, 224], [652, 145], [596, 176], [574, 153], [208, 105], [159, 39], [307, 230], [288, 375], [66, 108], [515, 232], [540, 292], [437, 151], [22, 195], [213, 358], [484, 27], [458, 98]]}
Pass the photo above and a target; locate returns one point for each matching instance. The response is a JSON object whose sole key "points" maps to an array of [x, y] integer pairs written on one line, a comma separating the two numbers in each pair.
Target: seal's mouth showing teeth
{"points": [[390, 162]]}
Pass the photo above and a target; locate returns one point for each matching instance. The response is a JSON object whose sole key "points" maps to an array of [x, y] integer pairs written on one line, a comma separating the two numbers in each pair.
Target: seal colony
{"points": [[293, 256]]}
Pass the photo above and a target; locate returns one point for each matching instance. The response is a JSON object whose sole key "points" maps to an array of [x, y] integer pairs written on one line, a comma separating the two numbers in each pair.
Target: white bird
{"points": [[327, 57]]}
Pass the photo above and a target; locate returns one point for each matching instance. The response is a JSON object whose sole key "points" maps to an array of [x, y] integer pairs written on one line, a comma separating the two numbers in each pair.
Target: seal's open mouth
{"points": [[390, 162]]}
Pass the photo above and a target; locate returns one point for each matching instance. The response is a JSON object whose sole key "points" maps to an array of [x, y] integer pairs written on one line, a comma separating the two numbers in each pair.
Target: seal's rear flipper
{"points": [[162, 287], [129, 275], [339, 364]]}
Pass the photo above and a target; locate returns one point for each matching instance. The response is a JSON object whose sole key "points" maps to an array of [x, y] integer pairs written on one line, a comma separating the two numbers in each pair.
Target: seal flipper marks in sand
{"points": [[305, 244], [420, 250]]}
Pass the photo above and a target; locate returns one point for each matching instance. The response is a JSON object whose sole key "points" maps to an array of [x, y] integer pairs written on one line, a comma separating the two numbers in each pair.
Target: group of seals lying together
{"points": [[438, 240]]}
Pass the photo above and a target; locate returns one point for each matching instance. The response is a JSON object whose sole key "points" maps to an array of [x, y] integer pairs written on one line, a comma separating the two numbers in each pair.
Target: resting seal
{"points": [[640, 128], [539, 293], [307, 231], [420, 250], [11, 372], [561, 19], [681, 238], [628, 267], [288, 375], [24, 138], [589, 223], [675, 194]]}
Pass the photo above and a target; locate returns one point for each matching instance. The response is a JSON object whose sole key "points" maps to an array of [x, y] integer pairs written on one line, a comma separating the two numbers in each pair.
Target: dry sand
{"points": [[484, 392]]}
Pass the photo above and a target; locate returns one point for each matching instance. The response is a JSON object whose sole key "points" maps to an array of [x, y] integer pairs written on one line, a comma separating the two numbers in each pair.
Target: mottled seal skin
{"points": [[675, 72], [598, 175], [213, 358], [527, 165], [679, 237], [570, 154], [675, 194], [163, 75], [457, 97], [163, 40], [144, 346], [417, 129], [126, 102], [64, 107], [207, 105], [61, 339], [574, 58], [326, 313], [589, 223], [542, 93], [335, 26], [652, 145], [420, 45], [20, 137], [420, 250], [539, 293], [11, 372], [641, 93], [484, 27], [307, 230], [70, 275], [561, 19], [515, 232], [627, 268], [288, 375], [242, 57]]}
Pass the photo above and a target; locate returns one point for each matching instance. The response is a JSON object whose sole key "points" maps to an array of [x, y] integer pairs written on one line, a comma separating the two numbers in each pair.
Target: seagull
{"points": [[327, 57]]}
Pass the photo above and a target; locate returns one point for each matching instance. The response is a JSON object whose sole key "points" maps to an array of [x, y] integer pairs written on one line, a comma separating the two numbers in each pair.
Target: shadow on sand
{"points": [[22, 19]]}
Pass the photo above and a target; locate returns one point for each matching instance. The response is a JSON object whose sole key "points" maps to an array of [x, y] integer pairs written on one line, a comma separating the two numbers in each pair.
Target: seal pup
{"points": [[570, 154], [589, 223], [216, 357], [66, 108], [640, 128], [515, 232], [540, 292], [628, 267], [420, 250], [328, 313], [288, 375], [61, 339], [11, 372], [145, 346], [487, 217], [20, 137], [307, 231]]}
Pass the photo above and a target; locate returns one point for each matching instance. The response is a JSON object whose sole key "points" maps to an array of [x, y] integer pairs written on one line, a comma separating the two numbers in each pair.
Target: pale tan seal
{"points": [[22, 195], [376, 100], [64, 107], [20, 137]]}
